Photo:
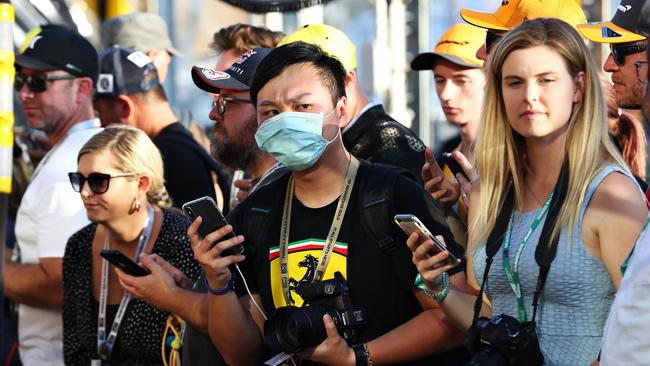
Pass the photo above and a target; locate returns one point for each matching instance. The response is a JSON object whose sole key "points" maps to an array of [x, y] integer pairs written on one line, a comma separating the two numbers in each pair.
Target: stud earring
{"points": [[138, 204]]}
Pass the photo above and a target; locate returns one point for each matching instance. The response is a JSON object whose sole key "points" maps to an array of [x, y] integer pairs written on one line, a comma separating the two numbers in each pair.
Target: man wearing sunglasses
{"points": [[129, 91], [56, 69], [627, 45]]}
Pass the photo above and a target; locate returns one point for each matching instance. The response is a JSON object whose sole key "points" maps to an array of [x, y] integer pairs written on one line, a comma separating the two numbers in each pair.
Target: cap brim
{"points": [[596, 32], [483, 20], [34, 63], [213, 81], [427, 60]]}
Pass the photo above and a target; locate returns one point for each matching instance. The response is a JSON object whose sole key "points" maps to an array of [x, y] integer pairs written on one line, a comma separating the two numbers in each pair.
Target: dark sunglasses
{"points": [[98, 182], [221, 102], [620, 51], [490, 39], [37, 83]]}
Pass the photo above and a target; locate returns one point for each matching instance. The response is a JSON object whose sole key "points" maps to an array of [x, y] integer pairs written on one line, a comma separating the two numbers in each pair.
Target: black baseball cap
{"points": [[56, 47], [239, 75], [625, 26], [123, 71]]}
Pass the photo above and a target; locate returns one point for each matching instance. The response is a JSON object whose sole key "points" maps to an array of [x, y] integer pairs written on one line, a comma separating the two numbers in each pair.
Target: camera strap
{"points": [[335, 228], [105, 345], [544, 253]]}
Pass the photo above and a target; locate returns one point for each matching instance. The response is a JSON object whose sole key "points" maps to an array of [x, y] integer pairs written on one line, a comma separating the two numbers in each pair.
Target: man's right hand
{"points": [[207, 252]]}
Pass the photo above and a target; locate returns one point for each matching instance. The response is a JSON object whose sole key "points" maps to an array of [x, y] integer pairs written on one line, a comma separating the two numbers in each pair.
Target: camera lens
{"points": [[292, 329], [189, 211]]}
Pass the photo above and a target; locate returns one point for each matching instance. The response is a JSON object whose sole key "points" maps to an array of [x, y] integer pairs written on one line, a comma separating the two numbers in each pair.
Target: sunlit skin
{"points": [[538, 96], [294, 91], [227, 58], [54, 110], [118, 200], [627, 87], [460, 90]]}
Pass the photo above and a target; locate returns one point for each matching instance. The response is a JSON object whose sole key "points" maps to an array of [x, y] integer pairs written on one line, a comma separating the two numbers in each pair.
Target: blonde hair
{"points": [[134, 152], [500, 151]]}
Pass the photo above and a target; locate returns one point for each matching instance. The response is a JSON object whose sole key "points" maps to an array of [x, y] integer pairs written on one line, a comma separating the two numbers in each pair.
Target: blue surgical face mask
{"points": [[294, 139]]}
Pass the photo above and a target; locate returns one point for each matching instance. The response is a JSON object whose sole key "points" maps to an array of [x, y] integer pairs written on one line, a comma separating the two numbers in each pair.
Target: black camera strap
{"points": [[544, 253]]}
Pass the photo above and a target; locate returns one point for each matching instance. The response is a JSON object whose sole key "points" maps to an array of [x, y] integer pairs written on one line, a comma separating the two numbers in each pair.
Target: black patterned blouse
{"points": [[140, 335]]}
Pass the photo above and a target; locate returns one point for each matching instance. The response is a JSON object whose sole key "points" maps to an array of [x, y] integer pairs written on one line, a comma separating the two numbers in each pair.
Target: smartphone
{"points": [[411, 224], [453, 165], [121, 261], [212, 218]]}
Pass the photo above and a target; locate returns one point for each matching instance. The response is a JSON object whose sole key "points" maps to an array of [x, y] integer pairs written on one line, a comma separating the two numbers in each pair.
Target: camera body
{"points": [[292, 329], [503, 340]]}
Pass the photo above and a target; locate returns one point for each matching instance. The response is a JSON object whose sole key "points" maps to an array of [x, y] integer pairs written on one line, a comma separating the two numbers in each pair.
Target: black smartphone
{"points": [[212, 219], [453, 165], [410, 224], [121, 261]]}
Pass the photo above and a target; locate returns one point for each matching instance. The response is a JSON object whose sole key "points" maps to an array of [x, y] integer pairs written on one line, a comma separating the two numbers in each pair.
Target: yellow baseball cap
{"points": [[329, 39], [625, 26], [511, 13], [458, 45]]}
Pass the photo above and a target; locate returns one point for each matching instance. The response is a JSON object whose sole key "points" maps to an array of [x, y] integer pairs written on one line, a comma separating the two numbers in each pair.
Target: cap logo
{"points": [[245, 56], [105, 83], [624, 8], [139, 59], [30, 39], [505, 2], [214, 75]]}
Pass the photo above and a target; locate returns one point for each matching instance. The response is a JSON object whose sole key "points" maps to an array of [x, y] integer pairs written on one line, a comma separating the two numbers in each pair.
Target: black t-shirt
{"points": [[376, 137], [187, 177], [380, 283]]}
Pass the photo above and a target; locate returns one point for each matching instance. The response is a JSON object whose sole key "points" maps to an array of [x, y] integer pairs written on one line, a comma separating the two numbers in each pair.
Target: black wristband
{"points": [[360, 357]]}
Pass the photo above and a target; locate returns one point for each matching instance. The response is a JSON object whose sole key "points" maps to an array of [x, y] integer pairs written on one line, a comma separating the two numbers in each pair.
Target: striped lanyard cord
{"points": [[512, 272]]}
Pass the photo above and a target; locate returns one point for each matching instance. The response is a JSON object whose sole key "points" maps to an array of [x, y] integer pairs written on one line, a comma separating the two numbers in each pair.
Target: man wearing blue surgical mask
{"points": [[307, 226]]}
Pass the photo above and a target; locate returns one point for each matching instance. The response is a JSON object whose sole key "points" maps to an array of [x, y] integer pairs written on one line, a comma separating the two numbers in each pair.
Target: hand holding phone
{"points": [[453, 165], [411, 224], [121, 261], [211, 220]]}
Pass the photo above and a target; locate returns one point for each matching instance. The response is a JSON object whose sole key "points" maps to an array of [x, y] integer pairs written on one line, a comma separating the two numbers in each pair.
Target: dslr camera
{"points": [[503, 340], [292, 329]]}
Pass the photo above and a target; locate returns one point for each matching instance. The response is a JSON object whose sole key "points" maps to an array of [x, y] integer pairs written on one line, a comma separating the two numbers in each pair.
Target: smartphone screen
{"points": [[410, 224], [121, 261], [453, 165], [212, 219]]}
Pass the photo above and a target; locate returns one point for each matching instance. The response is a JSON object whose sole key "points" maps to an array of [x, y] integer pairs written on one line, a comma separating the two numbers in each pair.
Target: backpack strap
{"points": [[262, 208], [376, 195]]}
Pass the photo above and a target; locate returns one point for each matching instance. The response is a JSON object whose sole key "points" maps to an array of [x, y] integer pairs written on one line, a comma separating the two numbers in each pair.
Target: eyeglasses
{"points": [[97, 182], [37, 83], [491, 38], [221, 102], [640, 75], [620, 51]]}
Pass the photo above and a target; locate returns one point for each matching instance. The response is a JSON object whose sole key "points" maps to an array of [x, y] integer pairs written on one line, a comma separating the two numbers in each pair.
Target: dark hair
{"points": [[331, 71], [243, 37]]}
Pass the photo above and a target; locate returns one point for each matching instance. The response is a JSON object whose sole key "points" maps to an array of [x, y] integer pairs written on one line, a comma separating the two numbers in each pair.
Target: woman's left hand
{"points": [[334, 350]]}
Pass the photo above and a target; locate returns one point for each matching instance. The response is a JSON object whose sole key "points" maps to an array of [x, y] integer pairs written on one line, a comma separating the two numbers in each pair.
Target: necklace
{"points": [[532, 193]]}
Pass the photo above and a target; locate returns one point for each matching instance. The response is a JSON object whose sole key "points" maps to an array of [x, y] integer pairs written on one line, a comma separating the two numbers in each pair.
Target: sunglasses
{"points": [[491, 38], [97, 182], [38, 83], [221, 102], [620, 51]]}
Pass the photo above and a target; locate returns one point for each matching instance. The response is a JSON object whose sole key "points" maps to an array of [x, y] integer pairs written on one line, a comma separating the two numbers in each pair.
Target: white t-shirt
{"points": [[626, 340], [49, 213]]}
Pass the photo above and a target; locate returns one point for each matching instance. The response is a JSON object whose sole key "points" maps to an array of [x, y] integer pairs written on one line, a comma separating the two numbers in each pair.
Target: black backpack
{"points": [[377, 191]]}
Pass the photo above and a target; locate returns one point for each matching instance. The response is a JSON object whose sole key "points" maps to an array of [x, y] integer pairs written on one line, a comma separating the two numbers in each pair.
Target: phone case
{"points": [[212, 218], [121, 261], [453, 165], [410, 224]]}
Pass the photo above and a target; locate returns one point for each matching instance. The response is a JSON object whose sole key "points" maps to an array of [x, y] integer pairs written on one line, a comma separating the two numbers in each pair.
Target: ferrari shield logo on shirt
{"points": [[302, 263]]}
